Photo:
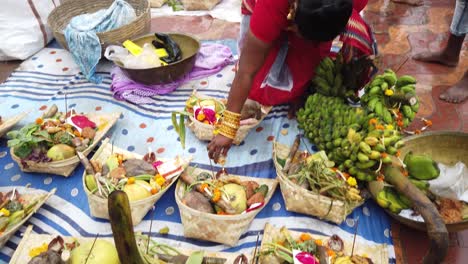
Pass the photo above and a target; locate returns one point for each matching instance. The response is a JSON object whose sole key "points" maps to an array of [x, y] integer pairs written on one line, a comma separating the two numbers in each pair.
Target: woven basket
{"points": [[65, 167], [205, 131], [301, 200], [31, 240], [33, 195], [157, 3], [98, 205], [60, 17], [11, 122], [199, 4], [377, 252], [225, 229]]}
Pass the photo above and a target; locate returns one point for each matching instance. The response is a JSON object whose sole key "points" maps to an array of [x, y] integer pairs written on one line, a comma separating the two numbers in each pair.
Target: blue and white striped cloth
{"points": [[39, 82]]}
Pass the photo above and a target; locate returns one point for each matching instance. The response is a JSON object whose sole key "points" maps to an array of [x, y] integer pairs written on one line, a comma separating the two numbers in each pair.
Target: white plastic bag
{"points": [[23, 27], [145, 60], [452, 182]]}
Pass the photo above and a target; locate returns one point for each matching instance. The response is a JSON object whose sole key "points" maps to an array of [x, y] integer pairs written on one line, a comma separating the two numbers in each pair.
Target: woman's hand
{"points": [[219, 146]]}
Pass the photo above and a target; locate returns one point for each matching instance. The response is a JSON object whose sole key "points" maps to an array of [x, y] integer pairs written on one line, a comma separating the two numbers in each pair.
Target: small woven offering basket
{"points": [[65, 167], [225, 229], [9, 123], [98, 206], [40, 197], [301, 200]]}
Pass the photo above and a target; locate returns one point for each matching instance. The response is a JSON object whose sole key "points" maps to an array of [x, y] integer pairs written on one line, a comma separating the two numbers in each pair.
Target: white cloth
{"points": [[23, 27], [452, 182]]}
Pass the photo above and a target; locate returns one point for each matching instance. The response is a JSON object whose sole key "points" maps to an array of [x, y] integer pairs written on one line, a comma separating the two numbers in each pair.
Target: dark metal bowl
{"points": [[169, 73], [443, 146]]}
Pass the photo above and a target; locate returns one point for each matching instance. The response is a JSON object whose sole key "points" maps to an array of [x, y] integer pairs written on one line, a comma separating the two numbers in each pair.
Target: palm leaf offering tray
{"points": [[280, 245], [50, 144], [310, 186], [204, 115], [7, 123], [51, 249], [221, 209], [16, 208], [145, 179]]}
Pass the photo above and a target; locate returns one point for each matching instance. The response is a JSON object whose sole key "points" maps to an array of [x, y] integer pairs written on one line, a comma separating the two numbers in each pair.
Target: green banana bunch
{"points": [[345, 134], [387, 95], [328, 78], [390, 199], [421, 167]]}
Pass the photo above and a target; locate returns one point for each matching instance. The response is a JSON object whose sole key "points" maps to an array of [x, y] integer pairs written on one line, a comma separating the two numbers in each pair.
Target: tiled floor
{"points": [[401, 31]]}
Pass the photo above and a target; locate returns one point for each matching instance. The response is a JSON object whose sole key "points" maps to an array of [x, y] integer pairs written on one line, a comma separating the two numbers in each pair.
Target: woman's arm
{"points": [[253, 57], [254, 53]]}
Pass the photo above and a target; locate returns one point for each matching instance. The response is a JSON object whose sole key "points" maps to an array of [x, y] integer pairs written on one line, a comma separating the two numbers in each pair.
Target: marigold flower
{"points": [[346, 175], [351, 181], [427, 122], [384, 155], [380, 178], [318, 242], [38, 250], [417, 132], [159, 180], [398, 153], [201, 117], [216, 195], [389, 92], [77, 133], [131, 180], [390, 127], [5, 212], [330, 253], [400, 123], [379, 127], [305, 237], [372, 121], [39, 121], [203, 187], [154, 191]]}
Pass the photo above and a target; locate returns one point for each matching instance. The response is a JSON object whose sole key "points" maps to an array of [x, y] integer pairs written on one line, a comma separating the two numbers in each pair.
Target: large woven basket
{"points": [[33, 195], [225, 229], [60, 17], [301, 200], [199, 4], [9, 123], [31, 240], [377, 252], [205, 131], [98, 205], [65, 167]]}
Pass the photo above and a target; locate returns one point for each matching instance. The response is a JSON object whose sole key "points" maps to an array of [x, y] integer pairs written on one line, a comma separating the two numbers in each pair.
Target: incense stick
{"points": [[354, 238], [91, 249], [151, 227]]}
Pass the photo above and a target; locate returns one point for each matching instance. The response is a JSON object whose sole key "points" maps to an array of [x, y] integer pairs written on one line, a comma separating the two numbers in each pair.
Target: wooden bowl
{"points": [[443, 146], [169, 73]]}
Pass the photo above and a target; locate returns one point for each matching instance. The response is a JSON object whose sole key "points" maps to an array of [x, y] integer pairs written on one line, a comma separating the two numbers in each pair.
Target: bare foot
{"points": [[458, 93], [437, 57], [410, 2]]}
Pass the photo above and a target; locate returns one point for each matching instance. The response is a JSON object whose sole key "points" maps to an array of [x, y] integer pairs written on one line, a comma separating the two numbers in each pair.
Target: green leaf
{"points": [[195, 258], [13, 134], [13, 142], [22, 151]]}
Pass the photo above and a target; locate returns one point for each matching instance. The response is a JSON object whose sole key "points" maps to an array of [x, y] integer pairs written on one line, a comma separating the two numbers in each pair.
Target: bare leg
{"points": [[410, 2], [448, 56], [457, 93]]}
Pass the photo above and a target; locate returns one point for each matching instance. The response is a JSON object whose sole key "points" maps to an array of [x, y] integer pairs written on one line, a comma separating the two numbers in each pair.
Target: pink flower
{"points": [[157, 163], [307, 258], [82, 121]]}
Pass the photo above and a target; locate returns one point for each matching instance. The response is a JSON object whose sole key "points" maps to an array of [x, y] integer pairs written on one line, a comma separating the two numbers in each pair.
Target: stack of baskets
{"points": [[60, 17]]}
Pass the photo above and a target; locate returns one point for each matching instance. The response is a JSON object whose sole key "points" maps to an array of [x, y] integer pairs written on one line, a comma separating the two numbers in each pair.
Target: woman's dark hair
{"points": [[322, 20]]}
